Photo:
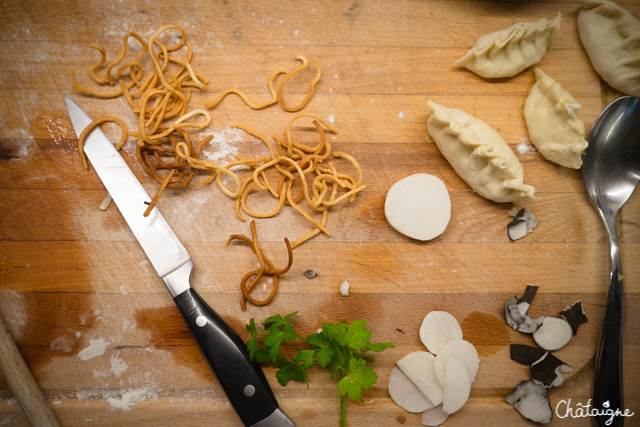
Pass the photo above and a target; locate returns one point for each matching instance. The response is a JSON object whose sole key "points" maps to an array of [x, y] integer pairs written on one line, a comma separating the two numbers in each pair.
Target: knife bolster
{"points": [[179, 280]]}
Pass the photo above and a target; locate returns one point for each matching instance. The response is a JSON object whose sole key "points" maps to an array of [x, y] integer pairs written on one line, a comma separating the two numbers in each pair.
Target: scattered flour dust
{"points": [[56, 128], [96, 348], [14, 312], [119, 399], [222, 149], [62, 343], [118, 366], [525, 146], [100, 374], [129, 397], [18, 142]]}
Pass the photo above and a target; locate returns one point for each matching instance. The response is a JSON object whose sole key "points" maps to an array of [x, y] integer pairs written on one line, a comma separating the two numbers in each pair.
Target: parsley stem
{"points": [[343, 411]]}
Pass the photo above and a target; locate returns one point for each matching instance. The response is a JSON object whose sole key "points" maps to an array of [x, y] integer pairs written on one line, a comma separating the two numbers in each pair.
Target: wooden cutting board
{"points": [[72, 274]]}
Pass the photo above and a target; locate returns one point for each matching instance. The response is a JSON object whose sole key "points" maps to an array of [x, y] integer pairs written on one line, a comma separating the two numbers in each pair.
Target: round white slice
{"points": [[457, 386], [462, 350], [419, 368], [418, 206], [406, 394], [553, 334], [434, 416], [437, 329]]}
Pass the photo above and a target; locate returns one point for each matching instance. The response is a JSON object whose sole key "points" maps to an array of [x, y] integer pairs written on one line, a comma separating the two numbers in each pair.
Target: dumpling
{"points": [[611, 37], [479, 155], [507, 52], [555, 130]]}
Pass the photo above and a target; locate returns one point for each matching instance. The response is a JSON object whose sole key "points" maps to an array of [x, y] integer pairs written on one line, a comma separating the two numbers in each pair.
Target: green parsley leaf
{"points": [[291, 371], [288, 333], [335, 331], [357, 334], [252, 346], [378, 347], [305, 357], [316, 340], [251, 327], [273, 322], [361, 377], [338, 363], [324, 356]]}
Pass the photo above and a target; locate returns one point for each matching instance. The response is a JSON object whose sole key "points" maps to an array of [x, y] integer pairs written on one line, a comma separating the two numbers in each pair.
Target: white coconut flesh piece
{"points": [[457, 385], [531, 399], [462, 350], [438, 328], [418, 206], [418, 366], [553, 333], [434, 417], [405, 394]]}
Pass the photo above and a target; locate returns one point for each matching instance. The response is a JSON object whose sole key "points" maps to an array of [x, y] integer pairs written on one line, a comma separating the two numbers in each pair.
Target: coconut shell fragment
{"points": [[529, 293], [521, 225], [574, 315], [548, 370], [531, 399], [516, 311], [525, 354], [545, 367]]}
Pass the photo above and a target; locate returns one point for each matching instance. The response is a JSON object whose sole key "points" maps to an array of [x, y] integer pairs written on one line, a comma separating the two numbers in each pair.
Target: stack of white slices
{"points": [[436, 382]]}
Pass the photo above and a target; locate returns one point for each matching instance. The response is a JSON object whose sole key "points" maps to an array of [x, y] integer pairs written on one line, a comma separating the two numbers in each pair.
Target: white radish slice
{"points": [[406, 394], [438, 328], [434, 416], [418, 206], [553, 334], [457, 385], [462, 350], [419, 368]]}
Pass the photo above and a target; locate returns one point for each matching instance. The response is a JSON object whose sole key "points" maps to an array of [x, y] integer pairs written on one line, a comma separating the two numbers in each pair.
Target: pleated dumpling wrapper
{"points": [[479, 155], [505, 53], [611, 37], [552, 118]]}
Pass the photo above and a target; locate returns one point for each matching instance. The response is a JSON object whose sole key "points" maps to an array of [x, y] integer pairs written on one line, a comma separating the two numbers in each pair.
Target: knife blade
{"points": [[242, 380]]}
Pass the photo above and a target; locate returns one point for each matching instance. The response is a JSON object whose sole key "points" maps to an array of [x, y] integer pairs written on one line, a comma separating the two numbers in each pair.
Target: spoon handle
{"points": [[607, 389]]}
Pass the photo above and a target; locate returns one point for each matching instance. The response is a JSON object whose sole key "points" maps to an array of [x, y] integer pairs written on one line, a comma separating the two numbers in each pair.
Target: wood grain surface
{"points": [[71, 273]]}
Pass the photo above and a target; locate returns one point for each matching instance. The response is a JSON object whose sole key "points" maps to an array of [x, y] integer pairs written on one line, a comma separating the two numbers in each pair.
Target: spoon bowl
{"points": [[611, 171]]}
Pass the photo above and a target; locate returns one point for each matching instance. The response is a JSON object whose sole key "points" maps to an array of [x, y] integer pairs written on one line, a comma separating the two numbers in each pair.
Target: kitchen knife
{"points": [[242, 380]]}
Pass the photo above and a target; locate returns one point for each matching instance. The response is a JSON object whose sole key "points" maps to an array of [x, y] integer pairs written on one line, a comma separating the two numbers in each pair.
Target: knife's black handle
{"points": [[242, 380]]}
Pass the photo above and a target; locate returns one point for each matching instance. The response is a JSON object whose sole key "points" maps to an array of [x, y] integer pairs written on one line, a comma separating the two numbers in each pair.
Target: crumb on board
{"points": [[344, 288]]}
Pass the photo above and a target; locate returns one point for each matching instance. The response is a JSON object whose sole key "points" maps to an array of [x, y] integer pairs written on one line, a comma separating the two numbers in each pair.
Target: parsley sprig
{"points": [[340, 347]]}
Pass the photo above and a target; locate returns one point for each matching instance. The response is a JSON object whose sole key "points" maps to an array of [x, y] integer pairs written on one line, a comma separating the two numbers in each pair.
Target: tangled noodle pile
{"points": [[157, 84]]}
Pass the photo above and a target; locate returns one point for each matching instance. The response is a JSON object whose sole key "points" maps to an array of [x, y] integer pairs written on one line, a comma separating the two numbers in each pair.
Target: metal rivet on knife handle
{"points": [[201, 321], [249, 390]]}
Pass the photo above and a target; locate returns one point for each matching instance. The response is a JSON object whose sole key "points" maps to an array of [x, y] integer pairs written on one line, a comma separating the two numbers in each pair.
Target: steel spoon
{"points": [[611, 171]]}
